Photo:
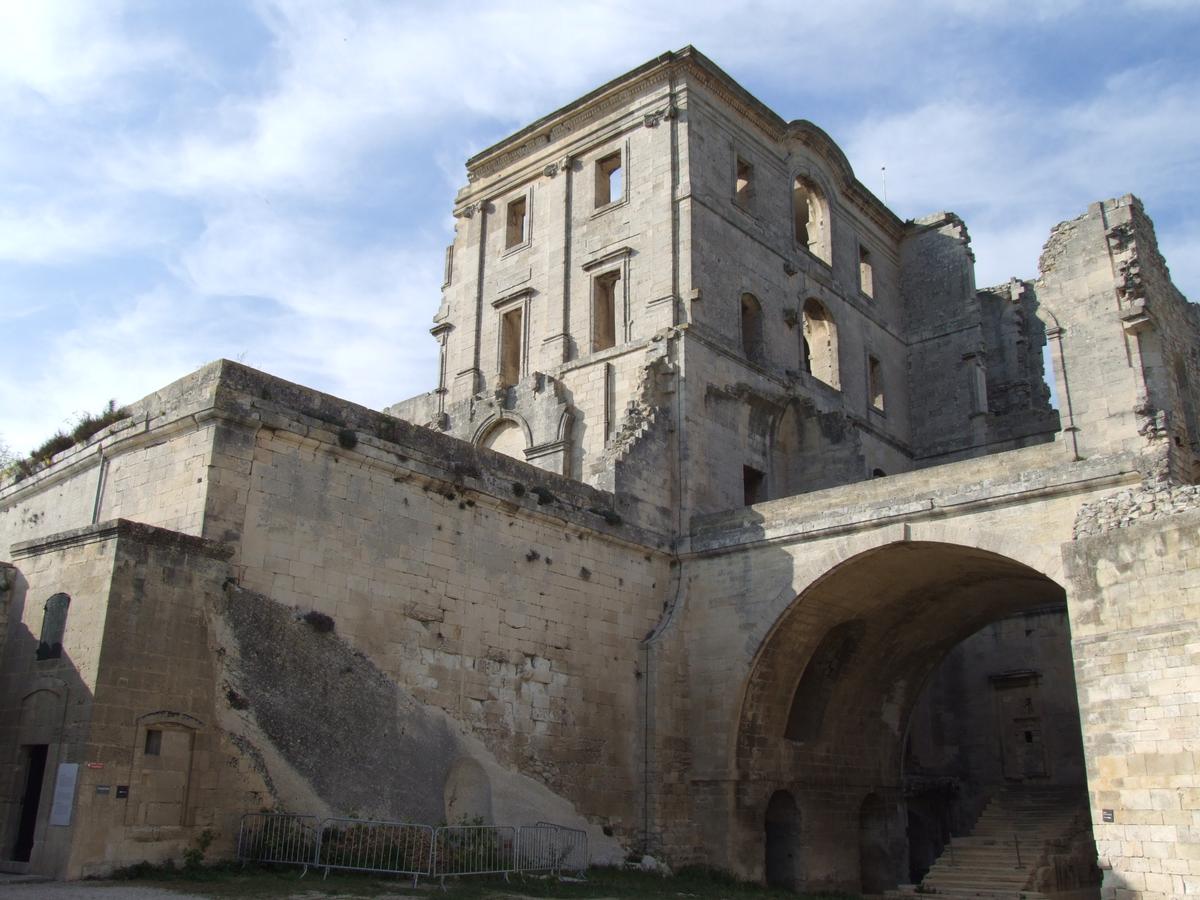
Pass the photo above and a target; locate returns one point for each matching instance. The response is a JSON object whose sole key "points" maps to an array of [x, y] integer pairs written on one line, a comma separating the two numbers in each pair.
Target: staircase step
{"points": [[1002, 853]]}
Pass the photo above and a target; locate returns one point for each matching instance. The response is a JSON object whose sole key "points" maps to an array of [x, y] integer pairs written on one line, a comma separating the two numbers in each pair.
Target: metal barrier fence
{"points": [[537, 848], [402, 848], [474, 850], [277, 838], [365, 846], [572, 848]]}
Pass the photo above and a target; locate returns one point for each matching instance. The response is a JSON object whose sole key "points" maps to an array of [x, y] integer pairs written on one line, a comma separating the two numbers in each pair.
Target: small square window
{"points": [[743, 183], [609, 180], [153, 745], [516, 226]]}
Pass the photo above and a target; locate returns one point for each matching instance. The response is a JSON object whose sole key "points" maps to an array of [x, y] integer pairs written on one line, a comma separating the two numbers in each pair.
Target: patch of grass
{"points": [[88, 425]]}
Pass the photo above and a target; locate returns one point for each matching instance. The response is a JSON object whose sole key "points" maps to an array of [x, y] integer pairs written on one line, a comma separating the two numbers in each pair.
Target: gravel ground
{"points": [[77, 890]]}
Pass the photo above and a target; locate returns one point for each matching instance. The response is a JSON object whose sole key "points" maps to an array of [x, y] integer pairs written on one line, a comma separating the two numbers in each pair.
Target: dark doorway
{"points": [[874, 847], [783, 837], [35, 755]]}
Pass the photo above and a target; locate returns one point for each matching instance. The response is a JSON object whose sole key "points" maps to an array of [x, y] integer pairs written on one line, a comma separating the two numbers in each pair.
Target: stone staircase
{"points": [[1011, 841]]}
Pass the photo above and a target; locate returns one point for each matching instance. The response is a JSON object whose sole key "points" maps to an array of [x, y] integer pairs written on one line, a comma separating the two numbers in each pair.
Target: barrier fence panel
{"points": [[572, 848], [277, 838], [403, 848], [365, 846], [474, 850], [537, 848]]}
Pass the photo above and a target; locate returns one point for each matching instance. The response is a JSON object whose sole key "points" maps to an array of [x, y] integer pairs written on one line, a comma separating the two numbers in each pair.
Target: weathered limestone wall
{"points": [[50, 702], [1134, 584], [136, 658], [511, 600], [1116, 326], [151, 467]]}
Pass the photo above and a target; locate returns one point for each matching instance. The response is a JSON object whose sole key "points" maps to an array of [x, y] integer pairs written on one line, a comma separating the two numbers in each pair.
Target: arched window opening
{"points": [[811, 219], [782, 832], [819, 344], [506, 437], [875, 383], [54, 626], [752, 330], [820, 677]]}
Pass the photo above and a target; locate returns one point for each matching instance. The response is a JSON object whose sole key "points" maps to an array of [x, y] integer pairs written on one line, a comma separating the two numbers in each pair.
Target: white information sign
{"points": [[64, 793]]}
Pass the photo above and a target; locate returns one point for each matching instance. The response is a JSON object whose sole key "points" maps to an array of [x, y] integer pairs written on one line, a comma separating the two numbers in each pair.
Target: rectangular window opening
{"points": [[604, 311], [514, 234], [743, 182], [754, 485], [609, 187], [511, 329], [875, 383], [866, 274], [153, 745]]}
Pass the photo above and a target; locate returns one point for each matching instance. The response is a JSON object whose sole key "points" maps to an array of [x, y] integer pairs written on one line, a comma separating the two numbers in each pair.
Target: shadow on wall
{"points": [[45, 712], [363, 745]]}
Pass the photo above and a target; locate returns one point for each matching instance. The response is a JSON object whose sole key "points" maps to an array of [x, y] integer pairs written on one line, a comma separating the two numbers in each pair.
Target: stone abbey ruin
{"points": [[739, 530]]}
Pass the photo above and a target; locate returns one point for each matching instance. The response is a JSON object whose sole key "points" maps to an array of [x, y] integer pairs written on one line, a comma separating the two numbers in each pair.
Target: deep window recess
{"points": [[604, 310], [153, 746], [875, 383], [743, 182], [866, 272], [810, 212], [54, 626], [754, 485], [511, 333], [819, 343], [516, 226], [752, 329], [609, 186]]}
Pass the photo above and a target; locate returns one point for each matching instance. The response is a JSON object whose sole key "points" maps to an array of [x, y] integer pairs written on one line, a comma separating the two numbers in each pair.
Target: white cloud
{"points": [[68, 52], [59, 232]]}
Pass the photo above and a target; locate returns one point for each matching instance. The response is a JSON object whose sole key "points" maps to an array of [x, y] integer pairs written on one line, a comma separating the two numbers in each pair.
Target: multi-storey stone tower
{"points": [[667, 290]]}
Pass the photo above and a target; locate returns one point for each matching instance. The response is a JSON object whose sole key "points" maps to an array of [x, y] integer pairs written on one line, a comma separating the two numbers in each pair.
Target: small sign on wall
{"points": [[64, 794], [1106, 815]]}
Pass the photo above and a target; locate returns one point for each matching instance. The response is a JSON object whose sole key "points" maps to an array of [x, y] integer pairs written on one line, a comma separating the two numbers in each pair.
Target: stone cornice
{"points": [[681, 68]]}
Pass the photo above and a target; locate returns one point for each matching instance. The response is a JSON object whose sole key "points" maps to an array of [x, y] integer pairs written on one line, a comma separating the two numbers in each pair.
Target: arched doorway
{"points": [[833, 686], [781, 832]]}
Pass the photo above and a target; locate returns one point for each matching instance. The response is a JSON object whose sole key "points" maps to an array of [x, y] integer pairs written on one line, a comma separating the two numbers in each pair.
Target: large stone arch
{"points": [[854, 648]]}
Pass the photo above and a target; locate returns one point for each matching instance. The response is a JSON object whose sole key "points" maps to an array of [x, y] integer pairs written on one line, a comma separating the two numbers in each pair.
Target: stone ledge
{"points": [[124, 528], [1000, 479]]}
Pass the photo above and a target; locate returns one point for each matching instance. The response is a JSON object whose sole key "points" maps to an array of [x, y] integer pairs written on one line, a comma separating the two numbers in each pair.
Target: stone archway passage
{"points": [[827, 705]]}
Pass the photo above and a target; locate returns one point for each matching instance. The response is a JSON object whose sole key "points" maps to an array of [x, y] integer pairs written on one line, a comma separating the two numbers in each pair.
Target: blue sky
{"points": [[272, 181]]}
